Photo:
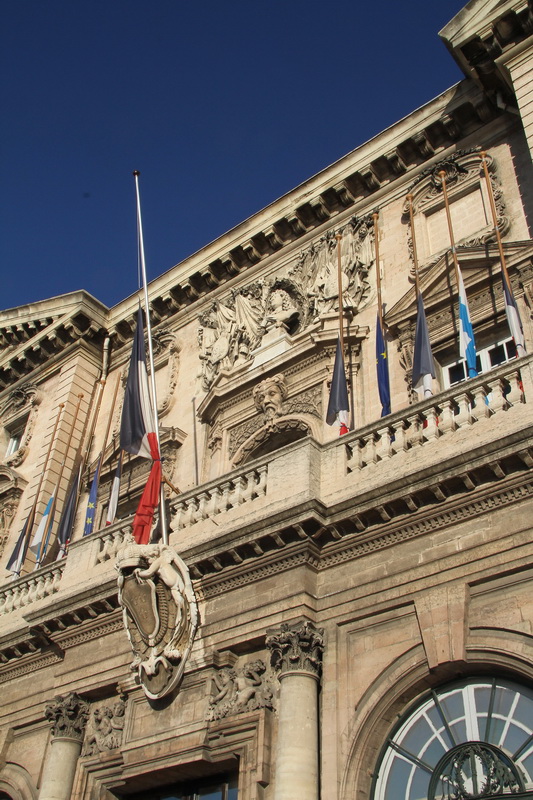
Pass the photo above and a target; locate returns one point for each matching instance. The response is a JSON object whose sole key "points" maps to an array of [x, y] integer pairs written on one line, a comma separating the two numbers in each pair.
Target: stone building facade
{"points": [[365, 614]]}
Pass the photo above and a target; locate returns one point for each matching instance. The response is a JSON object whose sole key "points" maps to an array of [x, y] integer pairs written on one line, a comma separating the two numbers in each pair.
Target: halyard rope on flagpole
{"points": [[162, 511]]}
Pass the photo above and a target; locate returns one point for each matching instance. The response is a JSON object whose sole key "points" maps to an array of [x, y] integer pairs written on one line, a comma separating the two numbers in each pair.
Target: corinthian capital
{"points": [[67, 715], [296, 648]]}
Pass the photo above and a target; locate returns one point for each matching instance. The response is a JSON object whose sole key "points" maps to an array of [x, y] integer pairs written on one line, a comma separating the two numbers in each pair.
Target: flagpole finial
{"points": [[136, 173]]}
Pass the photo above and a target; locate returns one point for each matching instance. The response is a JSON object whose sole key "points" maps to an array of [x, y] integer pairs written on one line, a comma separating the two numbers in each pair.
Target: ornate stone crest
{"points": [[159, 611]]}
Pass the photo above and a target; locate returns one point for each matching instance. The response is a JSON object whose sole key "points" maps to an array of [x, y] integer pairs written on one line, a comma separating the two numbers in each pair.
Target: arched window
{"points": [[472, 739]]}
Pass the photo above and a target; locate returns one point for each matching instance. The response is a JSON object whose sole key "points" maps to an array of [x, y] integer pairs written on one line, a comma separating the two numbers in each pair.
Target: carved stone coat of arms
{"points": [[159, 611]]}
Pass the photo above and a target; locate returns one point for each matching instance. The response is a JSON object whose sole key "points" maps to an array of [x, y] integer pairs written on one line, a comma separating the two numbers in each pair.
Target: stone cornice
{"points": [[395, 155]]}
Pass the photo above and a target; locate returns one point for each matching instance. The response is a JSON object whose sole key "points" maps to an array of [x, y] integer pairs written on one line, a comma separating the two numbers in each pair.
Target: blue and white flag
{"points": [[423, 365], [513, 318], [338, 405], [382, 365], [41, 534], [91, 502], [467, 345]]}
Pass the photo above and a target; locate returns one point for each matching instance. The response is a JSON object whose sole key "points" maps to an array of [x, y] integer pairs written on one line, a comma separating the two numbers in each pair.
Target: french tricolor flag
{"points": [[138, 435], [513, 317]]}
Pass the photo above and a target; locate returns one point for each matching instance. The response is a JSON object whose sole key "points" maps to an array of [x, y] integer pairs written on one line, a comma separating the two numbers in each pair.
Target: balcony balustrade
{"points": [[455, 421]]}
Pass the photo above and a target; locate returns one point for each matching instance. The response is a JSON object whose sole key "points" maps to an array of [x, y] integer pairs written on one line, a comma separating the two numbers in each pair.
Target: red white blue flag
{"points": [[138, 435], [338, 405], [513, 318]]}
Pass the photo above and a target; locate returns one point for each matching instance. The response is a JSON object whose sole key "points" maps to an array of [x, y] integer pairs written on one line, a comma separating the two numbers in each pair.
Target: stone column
{"points": [[296, 653], [67, 715]]}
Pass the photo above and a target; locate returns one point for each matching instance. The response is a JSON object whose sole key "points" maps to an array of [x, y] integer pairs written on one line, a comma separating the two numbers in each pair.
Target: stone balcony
{"points": [[357, 487]]}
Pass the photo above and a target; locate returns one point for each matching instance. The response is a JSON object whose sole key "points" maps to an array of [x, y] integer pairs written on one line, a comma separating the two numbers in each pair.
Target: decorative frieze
{"points": [[67, 714], [296, 648]]}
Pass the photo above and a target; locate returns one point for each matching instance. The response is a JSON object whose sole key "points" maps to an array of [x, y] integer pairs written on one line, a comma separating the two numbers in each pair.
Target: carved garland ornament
{"points": [[159, 611]]}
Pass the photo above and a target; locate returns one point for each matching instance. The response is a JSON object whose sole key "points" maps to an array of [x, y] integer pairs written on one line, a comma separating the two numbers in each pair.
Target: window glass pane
{"points": [[497, 355], [511, 349], [398, 778], [419, 786], [457, 373]]}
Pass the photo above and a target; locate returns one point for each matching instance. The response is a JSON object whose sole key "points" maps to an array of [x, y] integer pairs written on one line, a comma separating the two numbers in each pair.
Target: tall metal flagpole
{"points": [[39, 485], [61, 470], [162, 511], [442, 176], [519, 345], [338, 237], [375, 217], [472, 372], [413, 240]]}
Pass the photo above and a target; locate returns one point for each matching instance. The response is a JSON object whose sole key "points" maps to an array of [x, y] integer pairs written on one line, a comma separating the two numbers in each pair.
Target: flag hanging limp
{"points": [[43, 531], [115, 491], [423, 365], [513, 318], [66, 523], [138, 435], [90, 514], [338, 405], [467, 345], [382, 365]]}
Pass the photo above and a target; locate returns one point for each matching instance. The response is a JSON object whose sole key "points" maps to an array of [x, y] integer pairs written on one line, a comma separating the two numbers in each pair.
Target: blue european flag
{"points": [[382, 368]]}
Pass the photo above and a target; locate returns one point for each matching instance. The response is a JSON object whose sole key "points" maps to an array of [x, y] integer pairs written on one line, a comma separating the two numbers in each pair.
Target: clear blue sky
{"points": [[222, 106]]}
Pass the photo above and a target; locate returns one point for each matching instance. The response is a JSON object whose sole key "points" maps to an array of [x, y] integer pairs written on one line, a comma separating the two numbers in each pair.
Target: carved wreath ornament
{"points": [[159, 611]]}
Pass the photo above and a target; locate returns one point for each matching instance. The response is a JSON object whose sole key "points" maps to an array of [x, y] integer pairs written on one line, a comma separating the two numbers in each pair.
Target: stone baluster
{"points": [[177, 516], [105, 548], [224, 500], [464, 416], [214, 501], [239, 485], [516, 390], [447, 417], [399, 442], [354, 456], [370, 455], [480, 406], [67, 715], [431, 429], [416, 432], [384, 445], [498, 401], [261, 487], [296, 654], [201, 512]]}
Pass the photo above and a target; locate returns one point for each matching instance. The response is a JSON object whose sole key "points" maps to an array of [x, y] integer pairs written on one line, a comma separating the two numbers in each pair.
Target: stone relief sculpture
{"points": [[233, 327], [244, 689], [160, 613], [317, 272], [105, 728], [269, 396]]}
